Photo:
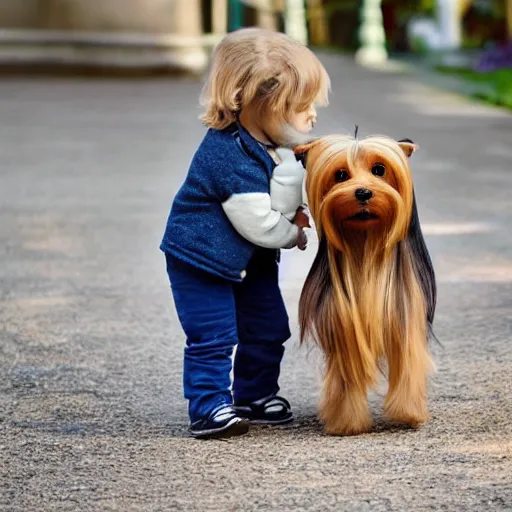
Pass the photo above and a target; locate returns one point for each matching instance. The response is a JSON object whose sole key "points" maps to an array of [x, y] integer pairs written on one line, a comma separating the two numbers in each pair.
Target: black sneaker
{"points": [[223, 421], [271, 410]]}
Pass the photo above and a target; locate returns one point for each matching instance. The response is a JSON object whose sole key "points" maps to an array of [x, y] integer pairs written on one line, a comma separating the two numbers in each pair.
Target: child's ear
{"points": [[407, 146]]}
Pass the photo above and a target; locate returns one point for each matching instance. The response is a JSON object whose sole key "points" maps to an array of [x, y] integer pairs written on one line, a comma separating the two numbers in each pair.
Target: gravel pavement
{"points": [[91, 409]]}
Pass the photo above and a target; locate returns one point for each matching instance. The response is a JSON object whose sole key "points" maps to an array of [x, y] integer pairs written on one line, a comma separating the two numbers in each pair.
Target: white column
{"points": [[449, 23], [371, 34], [295, 21], [188, 22], [220, 17], [265, 13]]}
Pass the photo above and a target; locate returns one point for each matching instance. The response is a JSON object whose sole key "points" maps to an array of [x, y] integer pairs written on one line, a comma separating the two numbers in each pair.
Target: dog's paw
{"points": [[346, 415], [348, 428], [406, 411]]}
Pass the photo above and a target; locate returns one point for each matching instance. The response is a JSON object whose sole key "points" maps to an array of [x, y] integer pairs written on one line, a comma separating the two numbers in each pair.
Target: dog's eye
{"points": [[340, 176], [378, 170]]}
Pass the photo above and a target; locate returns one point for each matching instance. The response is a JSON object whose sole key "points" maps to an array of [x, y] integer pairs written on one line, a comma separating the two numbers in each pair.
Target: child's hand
{"points": [[302, 240], [301, 218]]}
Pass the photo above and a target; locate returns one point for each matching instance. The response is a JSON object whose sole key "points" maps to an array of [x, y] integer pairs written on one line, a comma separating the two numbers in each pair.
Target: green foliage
{"points": [[502, 81], [333, 6], [497, 85], [419, 45], [427, 6]]}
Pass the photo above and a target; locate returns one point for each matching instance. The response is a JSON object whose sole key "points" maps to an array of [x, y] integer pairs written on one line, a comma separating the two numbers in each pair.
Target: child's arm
{"points": [[242, 188], [253, 217]]}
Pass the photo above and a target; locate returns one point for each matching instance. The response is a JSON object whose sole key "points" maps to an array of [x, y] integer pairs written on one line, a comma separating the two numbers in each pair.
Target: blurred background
{"points": [[469, 38]]}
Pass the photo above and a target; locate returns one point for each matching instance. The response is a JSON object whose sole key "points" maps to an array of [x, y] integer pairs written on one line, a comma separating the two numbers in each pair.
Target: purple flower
{"points": [[497, 58]]}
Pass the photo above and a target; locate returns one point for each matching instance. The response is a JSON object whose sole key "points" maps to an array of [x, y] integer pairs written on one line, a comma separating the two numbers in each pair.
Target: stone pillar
{"points": [[371, 34], [220, 17], [463, 7], [450, 26], [295, 21], [188, 22], [265, 14], [318, 27], [137, 33]]}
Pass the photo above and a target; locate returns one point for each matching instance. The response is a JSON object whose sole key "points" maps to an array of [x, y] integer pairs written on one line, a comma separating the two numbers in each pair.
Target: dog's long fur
{"points": [[370, 295]]}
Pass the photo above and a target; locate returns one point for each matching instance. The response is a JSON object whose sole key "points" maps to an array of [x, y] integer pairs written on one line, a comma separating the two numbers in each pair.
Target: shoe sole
{"points": [[270, 422], [236, 427]]}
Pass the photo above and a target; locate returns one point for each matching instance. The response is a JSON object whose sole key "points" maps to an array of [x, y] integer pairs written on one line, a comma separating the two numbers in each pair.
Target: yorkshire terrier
{"points": [[370, 295]]}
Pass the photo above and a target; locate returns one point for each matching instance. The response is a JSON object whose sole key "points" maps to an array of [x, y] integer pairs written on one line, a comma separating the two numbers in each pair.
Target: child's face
{"points": [[304, 121]]}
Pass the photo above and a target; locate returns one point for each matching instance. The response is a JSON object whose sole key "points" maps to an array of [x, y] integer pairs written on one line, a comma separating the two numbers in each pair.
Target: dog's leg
{"points": [[344, 408], [409, 364]]}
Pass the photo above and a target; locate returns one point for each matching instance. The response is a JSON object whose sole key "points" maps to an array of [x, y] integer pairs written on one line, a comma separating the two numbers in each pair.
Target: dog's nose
{"points": [[363, 194]]}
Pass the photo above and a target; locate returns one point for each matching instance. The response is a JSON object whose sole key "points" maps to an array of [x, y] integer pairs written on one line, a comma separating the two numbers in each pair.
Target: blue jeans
{"points": [[216, 315]]}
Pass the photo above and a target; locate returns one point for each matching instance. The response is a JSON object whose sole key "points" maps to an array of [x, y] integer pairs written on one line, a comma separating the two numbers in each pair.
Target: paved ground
{"points": [[91, 410]]}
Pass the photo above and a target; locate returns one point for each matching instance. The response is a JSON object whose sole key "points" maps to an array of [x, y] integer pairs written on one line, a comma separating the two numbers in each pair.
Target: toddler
{"points": [[238, 206]]}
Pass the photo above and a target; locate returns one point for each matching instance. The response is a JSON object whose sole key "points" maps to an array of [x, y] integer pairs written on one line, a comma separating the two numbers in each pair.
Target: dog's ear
{"points": [[302, 149], [407, 146]]}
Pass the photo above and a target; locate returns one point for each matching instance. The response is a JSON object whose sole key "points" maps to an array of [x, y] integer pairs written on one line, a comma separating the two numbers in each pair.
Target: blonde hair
{"points": [[266, 71]]}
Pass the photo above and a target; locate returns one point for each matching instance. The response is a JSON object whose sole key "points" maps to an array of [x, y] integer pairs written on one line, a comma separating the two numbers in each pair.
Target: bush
{"points": [[496, 85]]}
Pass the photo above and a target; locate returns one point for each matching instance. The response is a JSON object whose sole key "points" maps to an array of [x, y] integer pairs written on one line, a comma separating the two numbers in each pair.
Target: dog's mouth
{"points": [[363, 216]]}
